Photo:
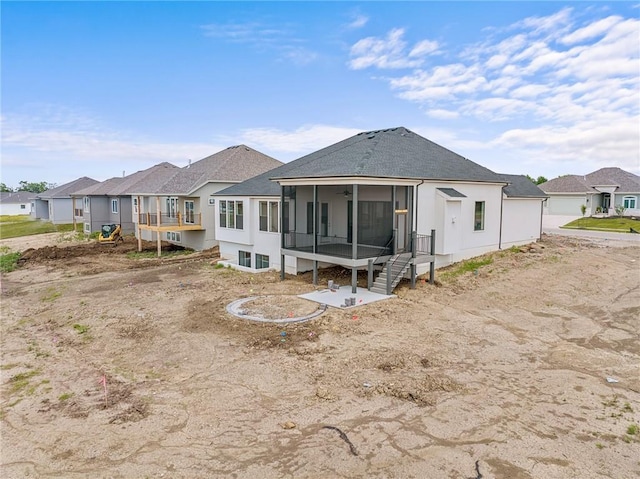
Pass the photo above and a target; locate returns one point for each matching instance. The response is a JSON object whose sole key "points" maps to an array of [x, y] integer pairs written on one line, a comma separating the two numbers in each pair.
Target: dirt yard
{"points": [[115, 367]]}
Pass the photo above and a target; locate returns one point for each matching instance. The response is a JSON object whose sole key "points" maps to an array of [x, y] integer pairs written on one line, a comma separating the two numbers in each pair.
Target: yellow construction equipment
{"points": [[110, 234]]}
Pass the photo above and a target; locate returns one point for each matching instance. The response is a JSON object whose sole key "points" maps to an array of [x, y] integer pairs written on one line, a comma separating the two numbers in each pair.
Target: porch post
{"points": [[159, 239], [414, 239], [354, 236], [369, 274], [432, 265], [282, 241], [315, 218], [315, 273], [394, 244]]}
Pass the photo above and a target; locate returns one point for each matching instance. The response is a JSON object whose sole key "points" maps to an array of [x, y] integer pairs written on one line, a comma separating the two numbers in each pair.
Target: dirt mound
{"points": [[54, 253]]}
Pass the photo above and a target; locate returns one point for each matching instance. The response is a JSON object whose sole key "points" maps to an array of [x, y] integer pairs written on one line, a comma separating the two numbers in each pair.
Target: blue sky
{"points": [[98, 88]]}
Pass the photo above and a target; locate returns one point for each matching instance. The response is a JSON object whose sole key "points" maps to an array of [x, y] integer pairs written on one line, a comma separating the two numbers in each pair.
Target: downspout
{"points": [[501, 216], [541, 217]]}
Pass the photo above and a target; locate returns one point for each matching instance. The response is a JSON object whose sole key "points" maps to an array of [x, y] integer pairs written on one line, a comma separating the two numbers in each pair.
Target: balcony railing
{"points": [[331, 246], [178, 220], [423, 244]]}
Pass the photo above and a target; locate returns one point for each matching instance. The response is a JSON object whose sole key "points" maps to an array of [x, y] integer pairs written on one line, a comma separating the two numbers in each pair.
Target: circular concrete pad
{"points": [[269, 309]]}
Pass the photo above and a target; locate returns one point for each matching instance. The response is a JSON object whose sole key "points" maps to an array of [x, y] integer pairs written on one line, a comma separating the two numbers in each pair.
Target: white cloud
{"points": [[389, 52], [358, 22], [440, 114]]}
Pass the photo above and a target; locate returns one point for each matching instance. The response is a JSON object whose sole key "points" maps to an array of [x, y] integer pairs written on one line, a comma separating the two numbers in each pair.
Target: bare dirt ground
{"points": [[114, 367]]}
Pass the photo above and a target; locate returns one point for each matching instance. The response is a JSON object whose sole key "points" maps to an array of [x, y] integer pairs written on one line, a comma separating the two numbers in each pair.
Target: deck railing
{"points": [[178, 220], [332, 246]]}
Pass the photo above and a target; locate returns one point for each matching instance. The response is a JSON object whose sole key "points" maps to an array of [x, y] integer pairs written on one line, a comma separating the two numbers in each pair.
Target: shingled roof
{"points": [[624, 181], [66, 190], [137, 182], [391, 153], [522, 187], [231, 165]]}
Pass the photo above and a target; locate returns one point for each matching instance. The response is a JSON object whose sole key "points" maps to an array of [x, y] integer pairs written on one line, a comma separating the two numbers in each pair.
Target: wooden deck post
{"points": [[432, 265]]}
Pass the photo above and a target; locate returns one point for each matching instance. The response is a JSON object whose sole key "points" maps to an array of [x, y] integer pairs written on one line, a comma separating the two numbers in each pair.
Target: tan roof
{"points": [[624, 181]]}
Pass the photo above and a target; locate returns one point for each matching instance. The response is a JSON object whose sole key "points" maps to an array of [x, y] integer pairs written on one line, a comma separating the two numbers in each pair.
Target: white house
{"points": [[18, 203], [388, 197], [599, 192]]}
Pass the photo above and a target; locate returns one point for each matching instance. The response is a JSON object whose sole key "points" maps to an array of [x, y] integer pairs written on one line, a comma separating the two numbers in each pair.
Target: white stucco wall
{"points": [[565, 204], [521, 221]]}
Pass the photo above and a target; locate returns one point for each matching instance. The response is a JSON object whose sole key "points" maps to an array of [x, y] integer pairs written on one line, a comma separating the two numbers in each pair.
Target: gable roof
{"points": [[231, 165], [451, 192], [624, 181], [391, 153], [17, 197], [522, 187], [66, 190], [125, 185]]}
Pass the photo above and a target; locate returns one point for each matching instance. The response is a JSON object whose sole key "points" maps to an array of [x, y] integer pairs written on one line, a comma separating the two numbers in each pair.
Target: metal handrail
{"points": [[390, 264], [386, 247]]}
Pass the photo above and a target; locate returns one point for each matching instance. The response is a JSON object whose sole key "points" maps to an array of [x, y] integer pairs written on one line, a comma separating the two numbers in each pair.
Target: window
{"points": [[114, 206], [478, 224], [86, 204], [262, 261], [173, 236], [87, 228], [231, 214], [244, 258], [223, 214], [23, 207], [269, 216], [172, 207], [189, 215], [135, 206], [629, 202]]}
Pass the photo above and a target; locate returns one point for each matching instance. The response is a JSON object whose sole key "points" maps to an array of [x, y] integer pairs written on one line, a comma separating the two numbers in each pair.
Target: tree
{"points": [[5, 189], [538, 181], [34, 187]]}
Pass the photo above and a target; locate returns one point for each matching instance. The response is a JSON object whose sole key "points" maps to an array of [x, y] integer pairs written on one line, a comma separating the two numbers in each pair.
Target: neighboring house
{"points": [[18, 203], [56, 204], [181, 209], [600, 191], [375, 199], [110, 202]]}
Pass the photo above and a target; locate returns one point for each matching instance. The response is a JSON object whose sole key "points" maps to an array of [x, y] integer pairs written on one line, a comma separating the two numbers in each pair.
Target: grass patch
{"points": [[65, 397], [50, 295], [81, 328], [15, 226], [632, 430], [20, 382], [9, 262], [615, 223], [466, 267]]}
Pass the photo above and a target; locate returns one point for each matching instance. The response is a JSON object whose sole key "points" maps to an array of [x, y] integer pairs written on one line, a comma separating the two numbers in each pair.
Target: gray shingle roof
{"points": [[522, 187], [451, 192], [66, 190], [391, 153], [17, 197], [233, 164], [625, 182]]}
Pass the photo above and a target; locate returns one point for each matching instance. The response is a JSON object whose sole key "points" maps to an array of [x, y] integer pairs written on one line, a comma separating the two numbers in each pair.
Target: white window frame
{"points": [[135, 206], [629, 202], [189, 212], [233, 214], [479, 226], [87, 228], [269, 227], [247, 257], [114, 205], [86, 204], [260, 255], [172, 207]]}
